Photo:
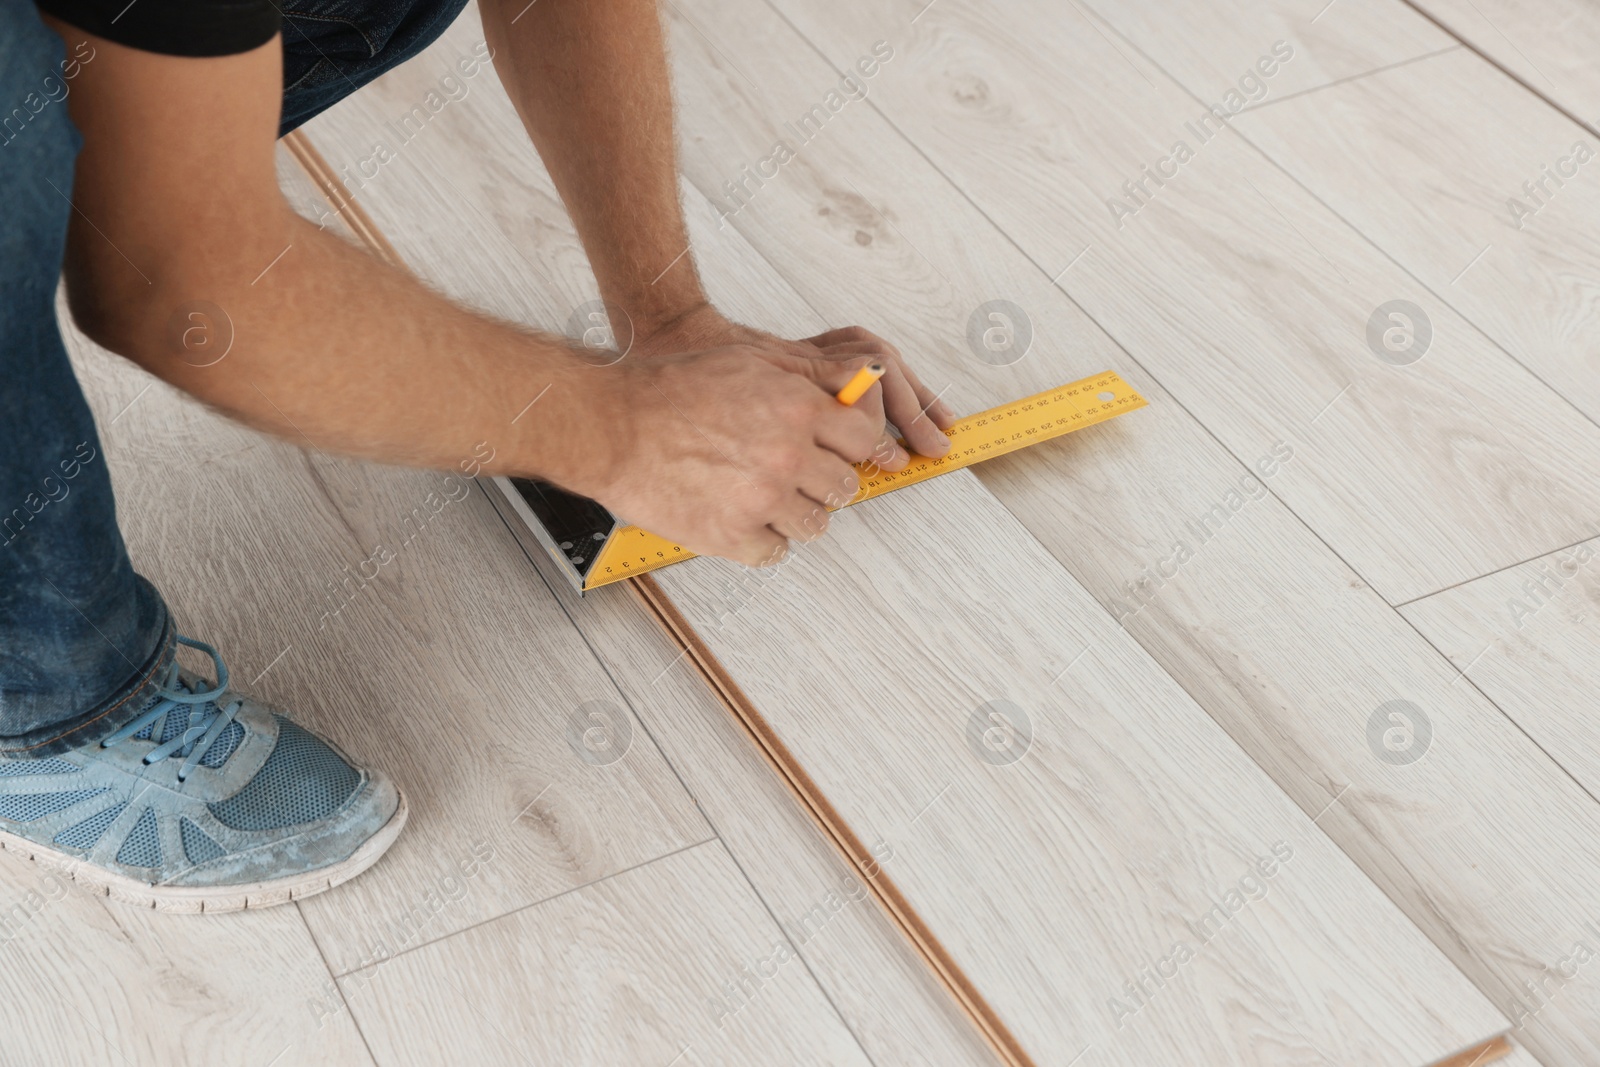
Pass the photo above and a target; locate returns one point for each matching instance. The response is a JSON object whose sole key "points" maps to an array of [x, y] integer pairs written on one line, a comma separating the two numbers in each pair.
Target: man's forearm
{"points": [[334, 349], [183, 256], [590, 82], [728, 449]]}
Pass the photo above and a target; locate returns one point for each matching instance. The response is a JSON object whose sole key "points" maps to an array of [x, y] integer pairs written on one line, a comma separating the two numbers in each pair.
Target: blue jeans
{"points": [[84, 639]]}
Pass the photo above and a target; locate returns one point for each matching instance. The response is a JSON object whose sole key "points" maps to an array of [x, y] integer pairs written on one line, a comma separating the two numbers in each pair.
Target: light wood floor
{"points": [[1425, 540]]}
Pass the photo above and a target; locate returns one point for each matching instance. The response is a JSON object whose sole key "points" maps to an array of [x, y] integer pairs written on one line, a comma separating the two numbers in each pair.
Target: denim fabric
{"points": [[84, 640], [333, 47]]}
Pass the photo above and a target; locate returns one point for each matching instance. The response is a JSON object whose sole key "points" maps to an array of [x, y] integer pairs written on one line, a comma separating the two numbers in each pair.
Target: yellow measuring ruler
{"points": [[630, 551]]}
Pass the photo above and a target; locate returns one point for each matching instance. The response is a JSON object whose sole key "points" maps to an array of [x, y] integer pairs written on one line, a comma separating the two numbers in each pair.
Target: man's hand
{"points": [[608, 144], [734, 451], [899, 397]]}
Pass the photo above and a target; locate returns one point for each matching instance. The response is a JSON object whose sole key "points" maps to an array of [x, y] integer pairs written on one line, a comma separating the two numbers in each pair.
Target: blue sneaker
{"points": [[207, 801]]}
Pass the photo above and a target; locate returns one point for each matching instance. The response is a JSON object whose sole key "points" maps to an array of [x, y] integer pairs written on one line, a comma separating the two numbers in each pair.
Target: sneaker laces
{"points": [[205, 718]]}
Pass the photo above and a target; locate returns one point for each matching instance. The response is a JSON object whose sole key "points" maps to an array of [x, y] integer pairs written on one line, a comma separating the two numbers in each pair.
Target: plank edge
{"points": [[816, 805], [1493, 1049]]}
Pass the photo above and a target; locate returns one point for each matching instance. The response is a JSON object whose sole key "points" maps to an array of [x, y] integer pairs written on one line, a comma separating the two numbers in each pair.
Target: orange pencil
{"points": [[855, 387]]}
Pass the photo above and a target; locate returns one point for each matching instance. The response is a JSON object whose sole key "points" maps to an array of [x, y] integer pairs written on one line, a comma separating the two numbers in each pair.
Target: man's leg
{"points": [[333, 47], [144, 781], [83, 639]]}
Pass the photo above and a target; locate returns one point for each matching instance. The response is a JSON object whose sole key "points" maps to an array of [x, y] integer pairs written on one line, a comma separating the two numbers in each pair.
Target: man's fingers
{"points": [[763, 548], [902, 400], [850, 335], [914, 408], [888, 454], [842, 349], [849, 433], [831, 483], [833, 374], [928, 402], [905, 409], [807, 521]]}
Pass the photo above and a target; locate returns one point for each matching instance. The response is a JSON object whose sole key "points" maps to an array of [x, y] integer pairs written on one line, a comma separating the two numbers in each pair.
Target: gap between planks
{"points": [[1472, 46], [801, 786], [816, 805]]}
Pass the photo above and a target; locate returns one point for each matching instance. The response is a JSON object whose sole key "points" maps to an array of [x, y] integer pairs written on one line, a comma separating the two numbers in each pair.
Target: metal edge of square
{"points": [[552, 552]]}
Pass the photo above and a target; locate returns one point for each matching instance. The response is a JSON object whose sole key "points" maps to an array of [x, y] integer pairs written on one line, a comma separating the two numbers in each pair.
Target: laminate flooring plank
{"points": [[618, 972], [374, 604], [1229, 283], [1218, 48], [88, 980], [1529, 637], [1319, 940], [502, 208], [1099, 843], [1472, 829], [1469, 197], [1518, 1057], [892, 1002], [877, 981], [1486, 843], [1549, 44]]}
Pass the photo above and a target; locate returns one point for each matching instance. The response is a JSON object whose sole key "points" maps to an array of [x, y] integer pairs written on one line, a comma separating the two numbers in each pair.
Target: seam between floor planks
{"points": [[1347, 80], [880, 112], [889, 898], [1370, 241], [1373, 243], [1126, 349], [816, 805], [1268, 157], [1472, 46]]}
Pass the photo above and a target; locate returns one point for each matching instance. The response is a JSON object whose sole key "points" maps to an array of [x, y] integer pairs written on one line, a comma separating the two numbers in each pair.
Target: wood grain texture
{"points": [[1527, 637], [422, 664], [856, 852], [1189, 871], [1254, 322], [665, 964], [893, 1004], [87, 980], [1497, 1050], [890, 1000], [1517, 1057], [1549, 45], [1130, 805], [1486, 843], [1428, 161], [502, 209], [1212, 47]]}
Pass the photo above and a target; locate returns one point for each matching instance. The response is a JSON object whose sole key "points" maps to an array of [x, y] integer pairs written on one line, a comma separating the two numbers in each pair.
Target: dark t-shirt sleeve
{"points": [[173, 27]]}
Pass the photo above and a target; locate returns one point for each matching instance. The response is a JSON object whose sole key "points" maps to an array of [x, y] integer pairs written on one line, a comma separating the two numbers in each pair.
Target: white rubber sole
{"points": [[193, 900]]}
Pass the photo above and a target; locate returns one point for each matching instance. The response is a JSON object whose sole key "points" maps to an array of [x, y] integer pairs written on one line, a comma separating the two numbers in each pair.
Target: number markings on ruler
{"points": [[973, 439]]}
